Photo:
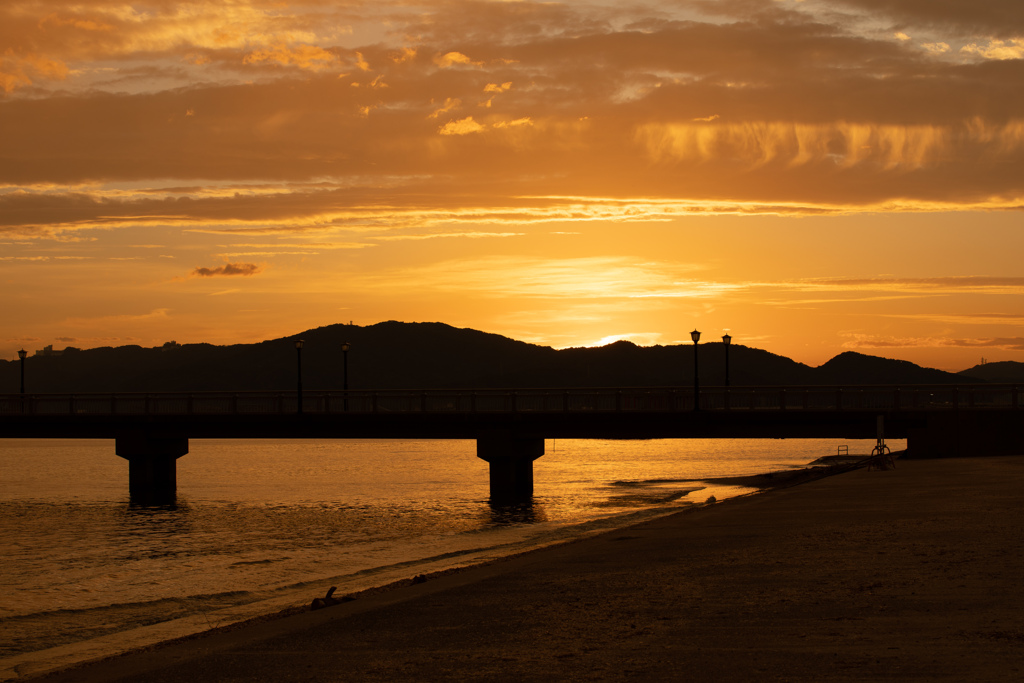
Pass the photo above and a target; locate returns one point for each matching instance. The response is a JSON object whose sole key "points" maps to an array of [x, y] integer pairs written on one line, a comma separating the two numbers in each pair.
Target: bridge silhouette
{"points": [[510, 426]]}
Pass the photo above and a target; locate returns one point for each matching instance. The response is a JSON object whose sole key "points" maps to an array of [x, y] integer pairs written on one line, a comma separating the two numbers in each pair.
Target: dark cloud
{"points": [[777, 106], [1002, 18], [228, 269]]}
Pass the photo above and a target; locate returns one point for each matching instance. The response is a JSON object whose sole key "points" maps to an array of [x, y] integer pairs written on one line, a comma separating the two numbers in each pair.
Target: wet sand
{"points": [[867, 575]]}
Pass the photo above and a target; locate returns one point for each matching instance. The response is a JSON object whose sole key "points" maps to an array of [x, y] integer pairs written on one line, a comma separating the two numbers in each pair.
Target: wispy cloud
{"points": [[867, 342], [107, 320], [579, 278]]}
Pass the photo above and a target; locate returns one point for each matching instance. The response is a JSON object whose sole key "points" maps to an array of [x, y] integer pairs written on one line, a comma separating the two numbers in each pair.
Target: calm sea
{"points": [[263, 525]]}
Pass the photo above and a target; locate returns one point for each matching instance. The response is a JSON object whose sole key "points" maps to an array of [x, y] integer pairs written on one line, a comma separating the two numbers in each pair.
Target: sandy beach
{"points": [[867, 575]]}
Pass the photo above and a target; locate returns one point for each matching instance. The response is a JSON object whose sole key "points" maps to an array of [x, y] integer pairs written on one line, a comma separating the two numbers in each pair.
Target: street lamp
{"points": [[345, 346], [695, 336], [21, 355], [726, 339], [298, 352]]}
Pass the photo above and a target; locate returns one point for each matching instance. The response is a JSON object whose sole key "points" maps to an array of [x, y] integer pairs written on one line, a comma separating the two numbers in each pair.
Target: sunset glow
{"points": [[812, 176]]}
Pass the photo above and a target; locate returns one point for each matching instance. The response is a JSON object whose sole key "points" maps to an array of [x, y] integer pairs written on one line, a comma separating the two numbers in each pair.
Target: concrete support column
{"points": [[511, 463], [152, 467]]}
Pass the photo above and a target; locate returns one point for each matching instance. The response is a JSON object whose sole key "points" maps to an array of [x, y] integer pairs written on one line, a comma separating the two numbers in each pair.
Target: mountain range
{"points": [[397, 355]]}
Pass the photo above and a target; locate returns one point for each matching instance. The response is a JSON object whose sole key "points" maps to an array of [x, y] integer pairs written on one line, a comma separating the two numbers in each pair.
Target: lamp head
{"points": [[695, 336], [345, 346], [726, 339], [22, 354], [298, 343]]}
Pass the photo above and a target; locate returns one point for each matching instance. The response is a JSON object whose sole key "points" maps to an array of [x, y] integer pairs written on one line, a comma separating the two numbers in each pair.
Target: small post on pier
{"points": [[511, 466], [152, 467]]}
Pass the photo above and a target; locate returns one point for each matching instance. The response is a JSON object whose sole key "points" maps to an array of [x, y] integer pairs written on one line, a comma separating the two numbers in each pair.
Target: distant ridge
{"points": [[398, 355], [1002, 372], [856, 368]]}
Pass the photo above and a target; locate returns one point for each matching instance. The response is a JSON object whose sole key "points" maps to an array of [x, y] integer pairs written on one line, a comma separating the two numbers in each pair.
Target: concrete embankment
{"points": [[869, 575]]}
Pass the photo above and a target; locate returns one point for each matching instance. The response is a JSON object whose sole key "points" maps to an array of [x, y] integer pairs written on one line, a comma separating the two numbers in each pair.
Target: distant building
{"points": [[170, 345], [48, 351]]}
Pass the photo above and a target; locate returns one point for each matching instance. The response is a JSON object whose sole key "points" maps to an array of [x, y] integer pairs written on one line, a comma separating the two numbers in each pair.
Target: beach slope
{"points": [[869, 575]]}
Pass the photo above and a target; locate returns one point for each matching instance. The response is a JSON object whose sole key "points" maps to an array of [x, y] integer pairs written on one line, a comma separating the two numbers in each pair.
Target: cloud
{"points": [[995, 17], [783, 113], [605, 277], [869, 342], [952, 284], [229, 269], [307, 57], [464, 126], [997, 49], [936, 48], [450, 103], [18, 71], [523, 121], [840, 143], [450, 59], [108, 320], [444, 235]]}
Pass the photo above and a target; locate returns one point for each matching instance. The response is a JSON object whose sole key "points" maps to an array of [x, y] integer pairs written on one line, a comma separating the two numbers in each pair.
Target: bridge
{"points": [[510, 426]]}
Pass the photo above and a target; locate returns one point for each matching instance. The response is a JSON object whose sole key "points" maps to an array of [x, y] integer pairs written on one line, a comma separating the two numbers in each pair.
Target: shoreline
{"points": [[76, 655], [876, 575]]}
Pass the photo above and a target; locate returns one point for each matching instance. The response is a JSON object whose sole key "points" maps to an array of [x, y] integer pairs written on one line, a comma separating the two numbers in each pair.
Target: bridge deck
{"points": [[152, 430], [847, 412]]}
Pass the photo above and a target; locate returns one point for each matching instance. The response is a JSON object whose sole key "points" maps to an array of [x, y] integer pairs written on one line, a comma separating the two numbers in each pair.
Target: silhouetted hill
{"points": [[1002, 372], [394, 355], [856, 368]]}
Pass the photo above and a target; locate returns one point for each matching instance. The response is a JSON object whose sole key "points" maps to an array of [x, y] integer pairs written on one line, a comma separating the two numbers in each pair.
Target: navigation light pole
{"points": [[695, 336], [726, 339]]}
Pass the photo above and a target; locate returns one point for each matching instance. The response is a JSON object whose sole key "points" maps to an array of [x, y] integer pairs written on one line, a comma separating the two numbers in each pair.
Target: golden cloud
{"points": [[19, 70], [307, 57], [516, 123], [843, 143], [450, 59], [464, 126], [450, 103], [997, 49]]}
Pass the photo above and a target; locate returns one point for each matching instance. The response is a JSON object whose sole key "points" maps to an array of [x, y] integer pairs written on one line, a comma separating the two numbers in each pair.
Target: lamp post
{"points": [[21, 356], [726, 339], [298, 352], [695, 336], [345, 346]]}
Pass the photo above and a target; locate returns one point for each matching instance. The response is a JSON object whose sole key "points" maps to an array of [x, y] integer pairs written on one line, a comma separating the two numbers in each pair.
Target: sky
{"points": [[809, 176]]}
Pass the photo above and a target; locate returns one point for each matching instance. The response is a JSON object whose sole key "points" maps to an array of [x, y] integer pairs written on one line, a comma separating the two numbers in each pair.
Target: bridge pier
{"points": [[511, 466], [152, 467]]}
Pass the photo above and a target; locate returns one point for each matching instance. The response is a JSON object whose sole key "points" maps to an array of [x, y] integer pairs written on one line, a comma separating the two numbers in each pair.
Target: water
{"points": [[264, 525]]}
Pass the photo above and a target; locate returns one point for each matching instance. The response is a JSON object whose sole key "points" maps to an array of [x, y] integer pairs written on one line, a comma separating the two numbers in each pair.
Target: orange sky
{"points": [[812, 176]]}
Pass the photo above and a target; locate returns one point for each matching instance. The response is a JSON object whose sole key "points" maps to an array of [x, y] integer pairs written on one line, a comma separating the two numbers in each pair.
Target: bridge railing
{"points": [[653, 399]]}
